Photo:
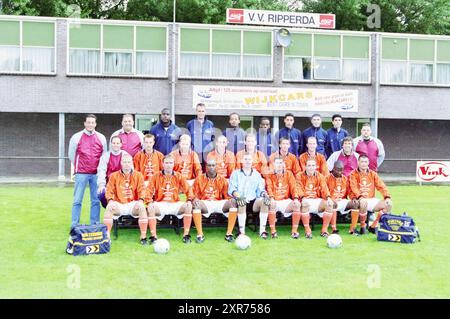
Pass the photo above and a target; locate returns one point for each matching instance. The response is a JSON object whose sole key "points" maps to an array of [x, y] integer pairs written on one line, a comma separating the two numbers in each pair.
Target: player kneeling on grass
{"points": [[338, 185], [247, 188], [363, 183], [163, 193], [211, 196], [284, 195], [125, 193], [316, 200]]}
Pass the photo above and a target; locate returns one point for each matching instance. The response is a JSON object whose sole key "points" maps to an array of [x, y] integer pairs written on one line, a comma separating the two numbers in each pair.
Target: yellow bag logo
{"points": [[92, 249]]}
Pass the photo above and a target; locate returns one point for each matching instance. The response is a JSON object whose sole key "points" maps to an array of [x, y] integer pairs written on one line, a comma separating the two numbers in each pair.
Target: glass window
{"points": [[84, 61], [226, 65], [31, 41], [126, 49], [9, 58], [443, 73], [326, 69], [118, 63], [393, 71], [421, 73], [194, 64], [355, 70], [297, 68], [256, 66], [38, 60], [151, 63]]}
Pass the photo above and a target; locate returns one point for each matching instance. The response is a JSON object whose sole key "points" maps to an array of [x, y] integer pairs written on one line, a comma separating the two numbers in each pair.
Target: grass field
{"points": [[34, 230]]}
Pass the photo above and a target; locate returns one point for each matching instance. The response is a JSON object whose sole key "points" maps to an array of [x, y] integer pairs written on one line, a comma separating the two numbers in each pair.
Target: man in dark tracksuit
{"points": [[166, 133], [318, 132]]}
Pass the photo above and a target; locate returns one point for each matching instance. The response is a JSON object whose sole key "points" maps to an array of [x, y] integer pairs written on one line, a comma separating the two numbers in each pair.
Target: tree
{"points": [[407, 16]]}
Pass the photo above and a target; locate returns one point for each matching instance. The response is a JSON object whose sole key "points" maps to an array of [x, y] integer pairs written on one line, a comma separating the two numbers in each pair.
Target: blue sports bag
{"points": [[88, 240], [398, 229]]}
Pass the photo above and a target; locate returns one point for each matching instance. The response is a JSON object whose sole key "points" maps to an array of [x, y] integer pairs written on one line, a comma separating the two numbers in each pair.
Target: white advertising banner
{"points": [[281, 18], [433, 171], [272, 98]]}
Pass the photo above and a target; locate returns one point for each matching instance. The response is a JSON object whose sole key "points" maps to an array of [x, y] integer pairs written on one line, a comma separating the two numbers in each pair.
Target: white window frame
{"points": [[32, 19], [133, 51], [210, 53], [341, 58], [408, 82]]}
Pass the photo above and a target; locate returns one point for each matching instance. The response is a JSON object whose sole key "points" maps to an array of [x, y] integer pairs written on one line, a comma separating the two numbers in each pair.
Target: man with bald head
{"points": [[338, 185], [132, 139], [166, 133], [210, 196]]}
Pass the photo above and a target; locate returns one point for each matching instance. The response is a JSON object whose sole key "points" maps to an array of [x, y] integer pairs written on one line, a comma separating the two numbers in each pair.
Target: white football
{"points": [[243, 242], [334, 241], [161, 246]]}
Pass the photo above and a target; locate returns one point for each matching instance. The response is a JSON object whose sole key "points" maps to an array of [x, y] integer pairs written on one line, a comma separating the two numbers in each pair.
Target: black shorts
{"points": [[249, 208]]}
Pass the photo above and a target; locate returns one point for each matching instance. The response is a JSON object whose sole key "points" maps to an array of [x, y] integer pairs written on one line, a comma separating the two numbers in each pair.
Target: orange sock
{"points": [[232, 216], [272, 220], [305, 221], [143, 223], [109, 223], [326, 221], [362, 219], [187, 219], [152, 226], [355, 217], [375, 222], [333, 220], [295, 221], [197, 215]]}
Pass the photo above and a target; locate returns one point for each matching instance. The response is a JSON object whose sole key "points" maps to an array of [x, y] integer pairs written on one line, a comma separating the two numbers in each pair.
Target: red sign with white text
{"points": [[433, 171], [281, 18]]}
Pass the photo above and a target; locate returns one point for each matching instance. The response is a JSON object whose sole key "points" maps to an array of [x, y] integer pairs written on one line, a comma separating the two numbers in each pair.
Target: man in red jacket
{"points": [[85, 149]]}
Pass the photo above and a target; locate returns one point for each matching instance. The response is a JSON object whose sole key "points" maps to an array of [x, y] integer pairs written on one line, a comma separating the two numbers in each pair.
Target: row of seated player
{"points": [[127, 193]]}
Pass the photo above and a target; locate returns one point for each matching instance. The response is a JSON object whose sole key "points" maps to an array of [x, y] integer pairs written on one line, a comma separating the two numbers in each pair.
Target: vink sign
{"points": [[433, 171]]}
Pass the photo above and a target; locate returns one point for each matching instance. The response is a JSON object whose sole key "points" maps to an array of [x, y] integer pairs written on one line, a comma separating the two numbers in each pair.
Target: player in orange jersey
{"points": [[363, 184], [125, 193], [187, 161], [316, 199], [290, 161], [164, 199], [211, 196], [148, 161], [225, 159], [284, 194], [259, 159], [321, 162], [338, 185]]}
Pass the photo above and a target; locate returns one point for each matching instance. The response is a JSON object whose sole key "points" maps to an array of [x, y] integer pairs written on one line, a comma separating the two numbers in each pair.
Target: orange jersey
{"points": [[211, 188], [125, 188], [164, 188], [225, 163], [321, 163], [259, 161], [282, 186], [188, 165], [148, 163], [313, 186], [290, 162], [338, 187], [363, 184]]}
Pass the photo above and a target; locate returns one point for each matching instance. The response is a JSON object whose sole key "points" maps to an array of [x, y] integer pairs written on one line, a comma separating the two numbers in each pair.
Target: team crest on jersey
{"points": [[127, 192], [168, 192], [186, 169], [365, 187], [210, 192]]}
